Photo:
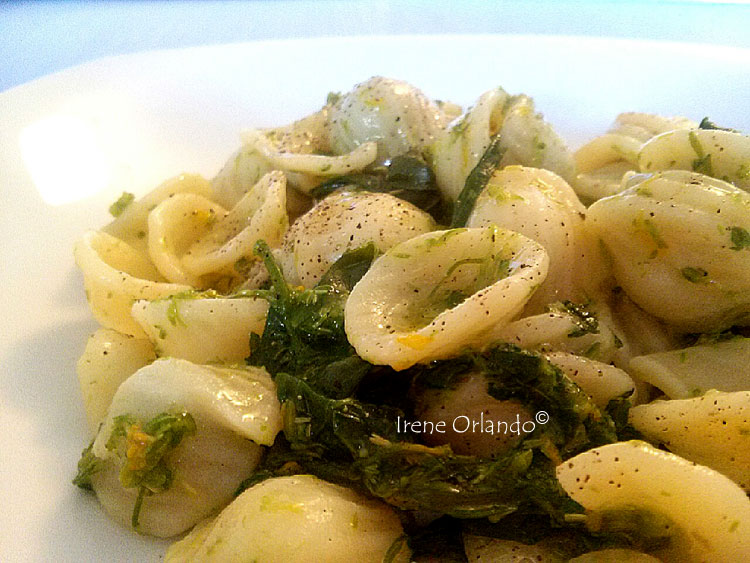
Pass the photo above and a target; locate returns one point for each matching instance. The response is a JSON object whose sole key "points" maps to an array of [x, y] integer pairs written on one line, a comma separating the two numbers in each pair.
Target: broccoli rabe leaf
{"points": [[87, 466], [360, 444], [584, 319], [337, 426], [304, 332], [145, 448], [575, 422], [476, 182], [407, 177], [706, 123]]}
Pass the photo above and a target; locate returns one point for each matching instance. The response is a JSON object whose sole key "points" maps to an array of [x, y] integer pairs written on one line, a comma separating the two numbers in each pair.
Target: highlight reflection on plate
{"points": [[70, 143]]}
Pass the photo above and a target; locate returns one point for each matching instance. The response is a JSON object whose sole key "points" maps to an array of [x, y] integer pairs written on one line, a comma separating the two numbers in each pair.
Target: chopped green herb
{"points": [[694, 275], [476, 182], [701, 164], [173, 312], [584, 319], [87, 466], [119, 206], [740, 238], [706, 123]]}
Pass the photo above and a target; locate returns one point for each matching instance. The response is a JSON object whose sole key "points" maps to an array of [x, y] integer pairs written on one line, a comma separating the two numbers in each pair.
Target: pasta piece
{"points": [[131, 225], [317, 166], [391, 113], [194, 241], [601, 182], [524, 136], [115, 276], [641, 332], [481, 549], [295, 520], [716, 153], [713, 430], [238, 176], [647, 125], [344, 221], [689, 372], [680, 248], [602, 162], [178, 326], [460, 146], [234, 410], [431, 296], [542, 206], [456, 413], [602, 382], [614, 556], [531, 141], [109, 359], [563, 331], [703, 514]]}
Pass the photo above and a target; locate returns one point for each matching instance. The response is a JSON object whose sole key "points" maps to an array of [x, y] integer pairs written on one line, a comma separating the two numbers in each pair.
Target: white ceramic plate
{"points": [[70, 143]]}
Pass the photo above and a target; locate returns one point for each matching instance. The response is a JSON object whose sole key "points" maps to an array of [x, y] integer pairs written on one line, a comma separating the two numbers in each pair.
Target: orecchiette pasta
{"points": [[525, 138], [542, 206], [493, 295], [704, 515], [676, 242], [109, 359], [711, 430], [194, 241], [115, 275], [296, 519], [431, 296], [602, 162], [131, 224], [343, 221], [391, 113], [234, 411], [178, 326], [688, 372], [720, 154]]}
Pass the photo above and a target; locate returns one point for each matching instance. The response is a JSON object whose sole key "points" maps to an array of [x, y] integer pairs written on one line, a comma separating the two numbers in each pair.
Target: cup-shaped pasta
{"points": [[602, 162], [343, 221], [238, 176], [602, 382], [689, 372], [615, 555], [716, 153], [114, 276], [131, 223], [433, 295], [295, 520], [391, 113], [460, 146], [178, 326], [109, 358], [541, 205], [711, 430], [563, 331], [524, 136], [680, 248], [234, 412], [315, 166], [704, 515], [193, 240], [456, 408], [484, 550]]}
